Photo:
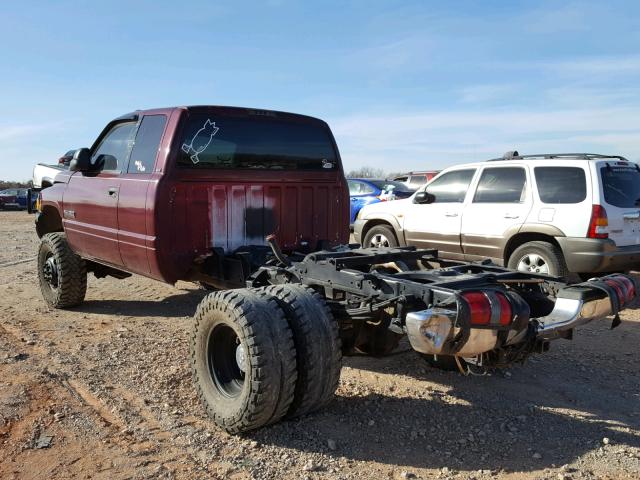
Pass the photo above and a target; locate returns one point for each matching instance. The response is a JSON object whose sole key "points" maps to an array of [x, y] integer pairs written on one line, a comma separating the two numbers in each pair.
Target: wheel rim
{"points": [[50, 271], [379, 240], [533, 263], [227, 360]]}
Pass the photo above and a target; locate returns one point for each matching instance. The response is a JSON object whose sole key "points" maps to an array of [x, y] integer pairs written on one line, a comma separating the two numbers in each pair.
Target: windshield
{"points": [[391, 185], [621, 185], [231, 142]]}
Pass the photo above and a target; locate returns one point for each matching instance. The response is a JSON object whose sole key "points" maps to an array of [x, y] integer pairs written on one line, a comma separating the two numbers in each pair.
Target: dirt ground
{"points": [[107, 386]]}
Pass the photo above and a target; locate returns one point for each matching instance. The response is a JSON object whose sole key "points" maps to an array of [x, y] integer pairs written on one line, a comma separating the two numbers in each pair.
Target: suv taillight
{"points": [[481, 309], [599, 223]]}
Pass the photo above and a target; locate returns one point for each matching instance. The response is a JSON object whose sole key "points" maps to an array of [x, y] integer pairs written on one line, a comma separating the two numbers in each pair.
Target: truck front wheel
{"points": [[243, 359], [61, 273]]}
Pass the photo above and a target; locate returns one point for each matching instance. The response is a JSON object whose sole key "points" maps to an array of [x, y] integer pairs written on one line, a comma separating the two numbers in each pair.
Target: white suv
{"points": [[551, 214]]}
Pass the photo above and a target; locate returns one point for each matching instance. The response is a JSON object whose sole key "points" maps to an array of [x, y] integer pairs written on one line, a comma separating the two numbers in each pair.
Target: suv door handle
{"points": [[113, 191], [511, 215], [451, 214]]}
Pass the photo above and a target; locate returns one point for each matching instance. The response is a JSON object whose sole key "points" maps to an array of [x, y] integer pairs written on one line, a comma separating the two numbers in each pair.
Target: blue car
{"points": [[364, 191], [20, 195]]}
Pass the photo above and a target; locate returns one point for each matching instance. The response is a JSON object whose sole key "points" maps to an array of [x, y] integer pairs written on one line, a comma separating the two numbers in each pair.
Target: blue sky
{"points": [[404, 85]]}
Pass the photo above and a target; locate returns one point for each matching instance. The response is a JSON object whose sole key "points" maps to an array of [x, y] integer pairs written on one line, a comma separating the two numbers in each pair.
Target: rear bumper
{"points": [[437, 331], [587, 255]]}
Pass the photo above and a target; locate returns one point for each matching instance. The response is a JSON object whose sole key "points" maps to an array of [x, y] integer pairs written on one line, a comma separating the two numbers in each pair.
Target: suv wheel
{"points": [[380, 236], [540, 258]]}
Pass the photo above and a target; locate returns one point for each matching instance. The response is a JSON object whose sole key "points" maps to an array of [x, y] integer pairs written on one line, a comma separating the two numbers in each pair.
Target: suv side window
{"points": [[501, 185], [145, 148], [113, 152], [451, 187], [561, 184]]}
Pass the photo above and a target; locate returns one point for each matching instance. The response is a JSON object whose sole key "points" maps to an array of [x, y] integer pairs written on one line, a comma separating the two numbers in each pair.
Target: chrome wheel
{"points": [[533, 263], [379, 241]]}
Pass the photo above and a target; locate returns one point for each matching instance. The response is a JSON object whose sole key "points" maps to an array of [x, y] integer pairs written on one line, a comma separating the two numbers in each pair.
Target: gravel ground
{"points": [[107, 387]]}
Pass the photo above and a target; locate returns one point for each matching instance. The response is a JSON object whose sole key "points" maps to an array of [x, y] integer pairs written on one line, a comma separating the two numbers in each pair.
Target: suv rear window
{"points": [[561, 184], [621, 186], [229, 142]]}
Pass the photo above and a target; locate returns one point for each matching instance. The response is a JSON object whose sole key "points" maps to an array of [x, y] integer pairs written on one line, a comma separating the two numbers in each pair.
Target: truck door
{"points": [[135, 235], [500, 205], [90, 201], [437, 224]]}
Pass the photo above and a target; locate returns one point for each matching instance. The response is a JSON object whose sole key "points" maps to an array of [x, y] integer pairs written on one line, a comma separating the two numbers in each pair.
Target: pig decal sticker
{"points": [[200, 140]]}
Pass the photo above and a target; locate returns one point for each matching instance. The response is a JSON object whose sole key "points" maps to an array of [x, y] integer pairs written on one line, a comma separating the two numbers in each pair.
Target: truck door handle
{"points": [[113, 191], [451, 214]]}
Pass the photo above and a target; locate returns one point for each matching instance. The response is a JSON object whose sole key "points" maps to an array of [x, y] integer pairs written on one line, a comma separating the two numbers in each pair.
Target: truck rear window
{"points": [[561, 184], [621, 186], [226, 142]]}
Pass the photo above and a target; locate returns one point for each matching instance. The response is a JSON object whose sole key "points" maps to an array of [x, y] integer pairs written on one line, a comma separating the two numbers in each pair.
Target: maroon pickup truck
{"points": [[255, 202], [191, 193]]}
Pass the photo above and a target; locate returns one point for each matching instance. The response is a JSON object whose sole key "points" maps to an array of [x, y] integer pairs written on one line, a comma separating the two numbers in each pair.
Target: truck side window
{"points": [[451, 187], [145, 148], [501, 185], [113, 151]]}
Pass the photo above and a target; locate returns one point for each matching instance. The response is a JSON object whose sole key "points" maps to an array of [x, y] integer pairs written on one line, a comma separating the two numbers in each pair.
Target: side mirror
{"points": [[81, 161], [424, 197]]}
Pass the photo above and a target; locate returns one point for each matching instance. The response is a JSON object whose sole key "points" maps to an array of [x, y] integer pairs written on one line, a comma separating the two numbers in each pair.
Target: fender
{"points": [[384, 217]]}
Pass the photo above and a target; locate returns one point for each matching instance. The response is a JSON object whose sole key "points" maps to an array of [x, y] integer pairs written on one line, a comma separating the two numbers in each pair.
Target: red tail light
{"points": [[506, 313], [631, 288], [599, 223], [479, 306], [625, 288], [61, 161]]}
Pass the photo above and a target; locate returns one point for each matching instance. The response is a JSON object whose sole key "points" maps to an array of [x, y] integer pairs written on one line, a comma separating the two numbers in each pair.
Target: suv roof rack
{"points": [[513, 155]]}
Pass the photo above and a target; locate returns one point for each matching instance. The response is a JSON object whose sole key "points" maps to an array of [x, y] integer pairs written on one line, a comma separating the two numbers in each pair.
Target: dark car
{"points": [[365, 191], [13, 198], [65, 159]]}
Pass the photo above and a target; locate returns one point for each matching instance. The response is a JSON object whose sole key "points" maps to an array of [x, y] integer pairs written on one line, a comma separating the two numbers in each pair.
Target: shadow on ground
{"points": [[179, 305]]}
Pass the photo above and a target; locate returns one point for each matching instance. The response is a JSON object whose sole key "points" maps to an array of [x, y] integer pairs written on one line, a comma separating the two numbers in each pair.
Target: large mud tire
{"points": [[241, 328], [318, 346], [62, 274]]}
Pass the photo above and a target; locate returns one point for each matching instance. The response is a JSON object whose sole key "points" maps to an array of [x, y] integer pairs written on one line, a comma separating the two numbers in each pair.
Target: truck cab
{"points": [[190, 193]]}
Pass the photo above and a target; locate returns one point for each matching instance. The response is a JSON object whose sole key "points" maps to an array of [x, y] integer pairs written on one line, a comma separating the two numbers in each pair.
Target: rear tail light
{"points": [[598, 226], [489, 308], [625, 288]]}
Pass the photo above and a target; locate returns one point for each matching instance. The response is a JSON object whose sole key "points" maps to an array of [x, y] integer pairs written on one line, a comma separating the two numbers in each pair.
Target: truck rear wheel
{"points": [[318, 347], [243, 359], [61, 273]]}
